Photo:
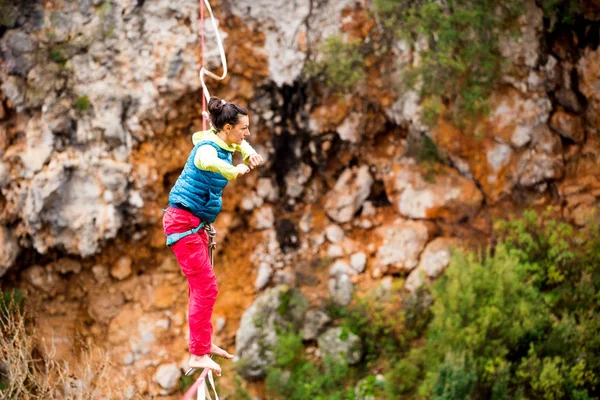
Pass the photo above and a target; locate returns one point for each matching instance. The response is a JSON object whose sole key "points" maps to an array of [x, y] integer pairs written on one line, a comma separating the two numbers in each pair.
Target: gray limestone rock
{"points": [[341, 345], [17, 48], [347, 196], [340, 268], [334, 233], [403, 242], [286, 33], [65, 207], [4, 174], [544, 161], [341, 289], [267, 189], [263, 276], [314, 323], [278, 308], [167, 376], [263, 218], [358, 261], [14, 88], [9, 249]]}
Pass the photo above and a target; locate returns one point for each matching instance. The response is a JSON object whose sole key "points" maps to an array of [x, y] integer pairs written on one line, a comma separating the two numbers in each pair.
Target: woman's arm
{"points": [[207, 159], [249, 155], [246, 149]]}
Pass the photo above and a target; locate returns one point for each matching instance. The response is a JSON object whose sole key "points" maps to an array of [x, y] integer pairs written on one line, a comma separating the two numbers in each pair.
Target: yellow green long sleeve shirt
{"points": [[207, 158]]}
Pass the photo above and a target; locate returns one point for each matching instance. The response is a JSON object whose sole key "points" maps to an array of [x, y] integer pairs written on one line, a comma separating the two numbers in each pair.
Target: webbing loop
{"points": [[203, 70], [199, 387]]}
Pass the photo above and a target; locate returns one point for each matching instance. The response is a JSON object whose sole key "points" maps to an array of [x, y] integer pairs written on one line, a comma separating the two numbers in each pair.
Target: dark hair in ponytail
{"points": [[222, 113]]}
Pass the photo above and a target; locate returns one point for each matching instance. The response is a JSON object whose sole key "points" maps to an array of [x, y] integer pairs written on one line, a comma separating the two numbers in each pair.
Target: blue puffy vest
{"points": [[200, 191]]}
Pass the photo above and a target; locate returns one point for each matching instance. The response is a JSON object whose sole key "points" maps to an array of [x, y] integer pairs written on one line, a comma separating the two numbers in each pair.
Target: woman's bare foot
{"points": [[217, 351], [201, 362]]}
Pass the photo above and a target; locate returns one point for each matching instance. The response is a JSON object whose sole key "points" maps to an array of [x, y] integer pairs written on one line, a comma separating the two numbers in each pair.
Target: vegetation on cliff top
{"points": [[458, 46], [456, 43]]}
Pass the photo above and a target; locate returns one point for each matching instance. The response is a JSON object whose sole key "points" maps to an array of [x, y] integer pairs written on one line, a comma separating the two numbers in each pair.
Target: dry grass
{"points": [[29, 372]]}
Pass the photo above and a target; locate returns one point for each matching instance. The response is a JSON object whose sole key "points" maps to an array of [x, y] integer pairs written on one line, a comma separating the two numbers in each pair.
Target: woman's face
{"points": [[239, 131]]}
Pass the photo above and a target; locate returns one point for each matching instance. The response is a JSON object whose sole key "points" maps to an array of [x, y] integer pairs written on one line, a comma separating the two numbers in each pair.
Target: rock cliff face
{"points": [[98, 101], [84, 84]]}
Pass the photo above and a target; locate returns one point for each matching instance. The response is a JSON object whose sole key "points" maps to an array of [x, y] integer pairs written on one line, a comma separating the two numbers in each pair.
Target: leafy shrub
{"points": [[459, 59], [456, 379], [339, 64], [519, 321], [291, 301], [417, 312], [376, 320], [425, 151], [240, 392], [11, 300], [293, 377], [428, 151], [57, 56], [561, 11], [379, 323], [403, 376], [82, 103], [8, 13]]}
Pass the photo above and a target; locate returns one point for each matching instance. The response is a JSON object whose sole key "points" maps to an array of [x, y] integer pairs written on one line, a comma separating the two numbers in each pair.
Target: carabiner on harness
{"points": [[212, 244]]}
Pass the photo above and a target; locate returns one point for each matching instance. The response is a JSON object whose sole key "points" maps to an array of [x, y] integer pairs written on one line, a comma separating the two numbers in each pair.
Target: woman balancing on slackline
{"points": [[196, 199]]}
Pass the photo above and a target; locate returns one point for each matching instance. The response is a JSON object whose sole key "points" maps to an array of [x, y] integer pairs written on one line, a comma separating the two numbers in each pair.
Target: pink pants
{"points": [[192, 254]]}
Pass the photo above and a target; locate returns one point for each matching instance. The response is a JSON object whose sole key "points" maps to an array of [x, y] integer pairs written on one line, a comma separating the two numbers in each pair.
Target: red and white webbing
{"points": [[203, 70], [199, 387]]}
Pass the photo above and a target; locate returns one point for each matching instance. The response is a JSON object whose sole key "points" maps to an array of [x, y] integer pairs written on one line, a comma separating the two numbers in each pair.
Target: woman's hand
{"points": [[255, 160], [242, 169]]}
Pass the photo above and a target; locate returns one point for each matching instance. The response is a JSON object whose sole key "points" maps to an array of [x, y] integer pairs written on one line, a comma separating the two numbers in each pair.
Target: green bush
{"points": [[428, 151], [240, 392], [291, 300], [293, 377], [10, 299], [519, 321], [57, 56], [403, 376], [379, 323], [456, 379], [461, 60], [339, 64], [8, 13], [82, 103], [385, 322], [561, 11]]}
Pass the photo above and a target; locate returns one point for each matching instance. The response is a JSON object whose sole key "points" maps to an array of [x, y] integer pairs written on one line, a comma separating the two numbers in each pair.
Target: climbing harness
{"points": [[210, 230], [203, 70], [175, 237], [199, 387]]}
